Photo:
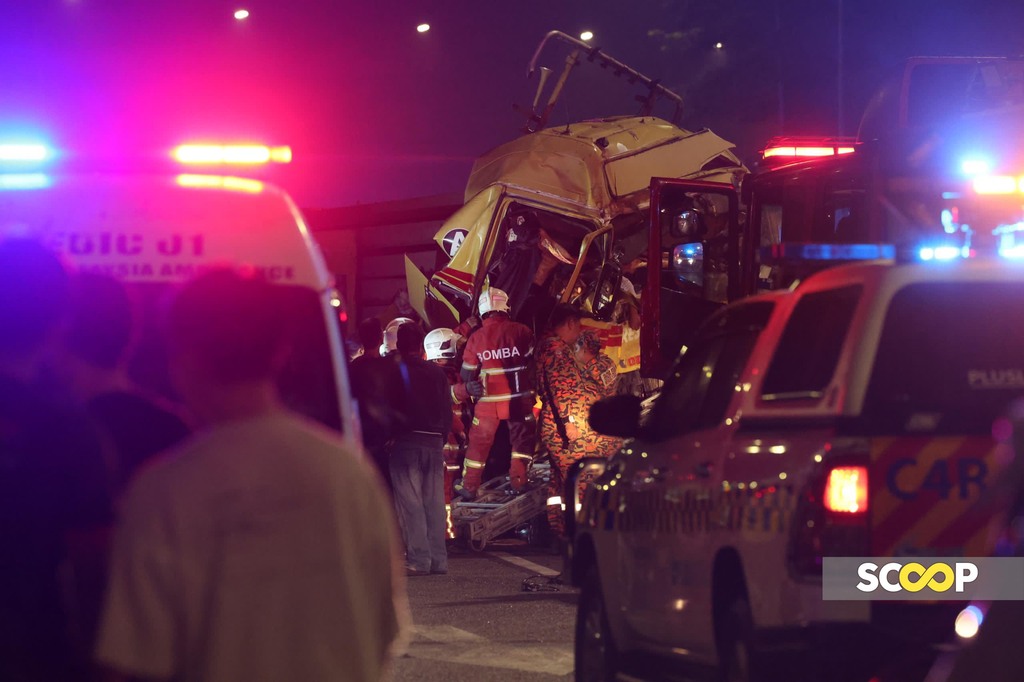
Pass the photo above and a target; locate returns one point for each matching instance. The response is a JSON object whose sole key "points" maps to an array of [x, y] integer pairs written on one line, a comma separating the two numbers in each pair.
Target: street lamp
{"points": [[241, 14], [423, 28], [586, 36]]}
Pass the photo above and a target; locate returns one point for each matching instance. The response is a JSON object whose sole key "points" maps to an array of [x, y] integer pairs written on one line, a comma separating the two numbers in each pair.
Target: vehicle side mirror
{"points": [[686, 224], [688, 263], [616, 415]]}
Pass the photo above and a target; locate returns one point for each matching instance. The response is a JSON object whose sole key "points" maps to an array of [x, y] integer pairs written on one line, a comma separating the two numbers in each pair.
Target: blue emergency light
{"points": [[828, 252], [28, 152], [943, 253], [21, 161], [23, 181], [974, 166]]}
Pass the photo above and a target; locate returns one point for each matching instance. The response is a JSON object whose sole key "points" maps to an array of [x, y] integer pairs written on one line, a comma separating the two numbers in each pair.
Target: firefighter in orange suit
{"points": [[444, 347], [497, 367]]}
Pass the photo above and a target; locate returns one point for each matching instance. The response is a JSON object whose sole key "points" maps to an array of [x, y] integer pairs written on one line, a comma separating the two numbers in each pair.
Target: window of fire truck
{"points": [[967, 361], [805, 359], [307, 383], [809, 207]]}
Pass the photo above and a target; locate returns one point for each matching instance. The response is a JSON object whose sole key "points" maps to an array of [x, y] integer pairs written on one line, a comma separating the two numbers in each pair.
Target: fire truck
{"points": [[934, 173]]}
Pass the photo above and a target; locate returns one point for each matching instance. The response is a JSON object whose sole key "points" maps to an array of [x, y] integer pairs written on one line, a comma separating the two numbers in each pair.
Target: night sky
{"points": [[374, 110]]}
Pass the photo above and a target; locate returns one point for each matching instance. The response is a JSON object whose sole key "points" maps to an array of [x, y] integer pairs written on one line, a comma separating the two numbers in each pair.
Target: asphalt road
{"points": [[477, 623]]}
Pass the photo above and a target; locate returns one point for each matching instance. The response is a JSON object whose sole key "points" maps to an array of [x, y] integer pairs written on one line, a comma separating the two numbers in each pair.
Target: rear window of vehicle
{"points": [[808, 351], [950, 358]]}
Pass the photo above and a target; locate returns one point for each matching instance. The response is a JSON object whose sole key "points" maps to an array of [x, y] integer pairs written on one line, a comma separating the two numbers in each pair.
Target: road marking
{"points": [[551, 660], [446, 634], [525, 563], [453, 645]]}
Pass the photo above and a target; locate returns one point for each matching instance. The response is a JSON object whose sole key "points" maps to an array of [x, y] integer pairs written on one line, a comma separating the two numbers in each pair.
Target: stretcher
{"points": [[497, 509]]}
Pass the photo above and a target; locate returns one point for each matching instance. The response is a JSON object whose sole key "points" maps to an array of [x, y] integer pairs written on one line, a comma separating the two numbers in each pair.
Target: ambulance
{"points": [[157, 227]]}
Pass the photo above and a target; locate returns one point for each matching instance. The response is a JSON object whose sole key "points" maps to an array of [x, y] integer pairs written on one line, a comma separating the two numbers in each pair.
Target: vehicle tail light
{"points": [[846, 490], [831, 517]]}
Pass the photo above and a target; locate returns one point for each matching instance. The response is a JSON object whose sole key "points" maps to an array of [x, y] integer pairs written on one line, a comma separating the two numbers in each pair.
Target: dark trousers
{"points": [[417, 481]]}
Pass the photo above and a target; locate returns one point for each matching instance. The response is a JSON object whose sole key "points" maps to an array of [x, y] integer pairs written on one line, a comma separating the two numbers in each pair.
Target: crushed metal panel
{"points": [[560, 166], [676, 159], [475, 217], [416, 284], [592, 163]]}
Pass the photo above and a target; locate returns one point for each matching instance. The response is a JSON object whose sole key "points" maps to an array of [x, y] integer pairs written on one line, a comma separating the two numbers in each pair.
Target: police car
{"points": [[157, 225], [856, 415]]}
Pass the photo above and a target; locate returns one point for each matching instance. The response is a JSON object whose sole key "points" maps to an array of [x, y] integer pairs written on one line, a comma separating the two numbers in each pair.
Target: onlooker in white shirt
{"points": [[260, 549]]}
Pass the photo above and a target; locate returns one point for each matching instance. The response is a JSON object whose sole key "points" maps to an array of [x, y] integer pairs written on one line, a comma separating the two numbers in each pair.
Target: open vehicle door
{"points": [[694, 264]]}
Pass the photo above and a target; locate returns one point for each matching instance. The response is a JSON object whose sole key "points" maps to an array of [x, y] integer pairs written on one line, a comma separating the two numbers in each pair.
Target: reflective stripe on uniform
{"points": [[500, 370], [503, 397], [470, 464], [452, 467], [521, 455]]}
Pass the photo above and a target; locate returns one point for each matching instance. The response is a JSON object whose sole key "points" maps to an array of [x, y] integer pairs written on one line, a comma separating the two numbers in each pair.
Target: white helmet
{"points": [[492, 300], [440, 344], [390, 344]]}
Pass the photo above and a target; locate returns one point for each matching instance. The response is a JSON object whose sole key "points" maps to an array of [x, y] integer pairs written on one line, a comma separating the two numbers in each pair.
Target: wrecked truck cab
{"points": [[561, 215]]}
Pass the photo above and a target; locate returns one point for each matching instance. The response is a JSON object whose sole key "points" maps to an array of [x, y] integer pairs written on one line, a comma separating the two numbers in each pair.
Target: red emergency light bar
{"points": [[783, 148], [231, 154]]}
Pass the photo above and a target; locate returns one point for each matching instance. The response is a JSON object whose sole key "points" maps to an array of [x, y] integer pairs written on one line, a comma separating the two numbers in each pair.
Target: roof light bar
{"points": [[998, 184], [13, 181], [943, 253], [816, 252], [23, 152], [806, 151], [231, 154], [220, 182]]}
